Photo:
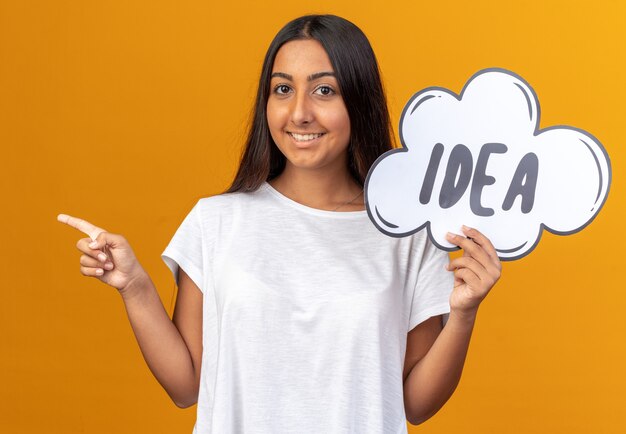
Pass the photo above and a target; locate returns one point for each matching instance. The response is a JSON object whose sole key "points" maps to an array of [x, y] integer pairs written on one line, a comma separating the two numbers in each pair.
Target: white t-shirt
{"points": [[305, 314]]}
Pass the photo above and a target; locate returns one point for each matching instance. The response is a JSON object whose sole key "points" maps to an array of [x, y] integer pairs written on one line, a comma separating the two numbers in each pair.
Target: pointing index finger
{"points": [[82, 225]]}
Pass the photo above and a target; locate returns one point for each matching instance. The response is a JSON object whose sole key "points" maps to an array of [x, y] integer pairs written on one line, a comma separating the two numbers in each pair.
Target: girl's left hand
{"points": [[475, 272]]}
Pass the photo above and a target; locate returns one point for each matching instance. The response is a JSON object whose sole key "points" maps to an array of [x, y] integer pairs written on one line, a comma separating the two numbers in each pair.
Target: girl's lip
{"points": [[304, 143], [303, 134]]}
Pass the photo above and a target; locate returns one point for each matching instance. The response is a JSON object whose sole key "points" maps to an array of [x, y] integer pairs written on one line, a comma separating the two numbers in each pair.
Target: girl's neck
{"points": [[327, 190]]}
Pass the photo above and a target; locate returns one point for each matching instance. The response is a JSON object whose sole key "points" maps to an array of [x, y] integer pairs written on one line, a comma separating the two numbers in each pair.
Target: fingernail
{"points": [[451, 235], [93, 244], [102, 257], [466, 228], [99, 271], [108, 265]]}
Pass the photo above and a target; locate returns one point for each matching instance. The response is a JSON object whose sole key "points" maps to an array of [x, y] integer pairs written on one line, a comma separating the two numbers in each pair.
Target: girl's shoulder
{"points": [[225, 204]]}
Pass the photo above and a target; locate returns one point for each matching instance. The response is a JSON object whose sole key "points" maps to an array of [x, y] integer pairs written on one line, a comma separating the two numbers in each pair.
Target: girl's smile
{"points": [[305, 140]]}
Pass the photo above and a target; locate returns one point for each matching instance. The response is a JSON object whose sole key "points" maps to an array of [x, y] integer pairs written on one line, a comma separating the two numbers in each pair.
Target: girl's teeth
{"points": [[304, 137]]}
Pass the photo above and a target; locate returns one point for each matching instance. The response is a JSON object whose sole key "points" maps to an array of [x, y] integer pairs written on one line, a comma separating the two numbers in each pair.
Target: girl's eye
{"points": [[282, 89], [325, 90]]}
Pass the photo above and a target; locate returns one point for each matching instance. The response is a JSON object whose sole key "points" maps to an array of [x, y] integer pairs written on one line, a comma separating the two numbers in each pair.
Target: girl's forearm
{"points": [[434, 378], [161, 344]]}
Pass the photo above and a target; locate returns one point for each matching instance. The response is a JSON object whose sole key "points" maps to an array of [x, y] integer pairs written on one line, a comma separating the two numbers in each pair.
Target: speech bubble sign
{"points": [[480, 159]]}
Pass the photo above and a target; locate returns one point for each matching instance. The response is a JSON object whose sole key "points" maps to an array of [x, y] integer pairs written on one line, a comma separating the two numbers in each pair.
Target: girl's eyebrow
{"points": [[319, 75], [309, 78]]}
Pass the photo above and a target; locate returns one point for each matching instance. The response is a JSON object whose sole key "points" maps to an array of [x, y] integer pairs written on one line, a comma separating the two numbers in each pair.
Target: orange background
{"points": [[125, 113]]}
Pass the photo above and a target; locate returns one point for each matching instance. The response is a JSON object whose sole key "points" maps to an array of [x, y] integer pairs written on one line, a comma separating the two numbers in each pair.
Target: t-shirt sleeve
{"points": [[431, 296], [185, 249]]}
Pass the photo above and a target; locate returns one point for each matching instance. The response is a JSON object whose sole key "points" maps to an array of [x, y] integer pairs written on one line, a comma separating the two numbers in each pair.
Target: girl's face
{"points": [[307, 117]]}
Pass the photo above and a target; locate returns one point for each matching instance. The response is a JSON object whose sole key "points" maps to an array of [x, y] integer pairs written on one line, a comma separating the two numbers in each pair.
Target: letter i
{"points": [[431, 172]]}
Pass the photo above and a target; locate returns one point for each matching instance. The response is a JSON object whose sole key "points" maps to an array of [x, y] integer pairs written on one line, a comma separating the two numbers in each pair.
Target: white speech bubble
{"points": [[491, 168]]}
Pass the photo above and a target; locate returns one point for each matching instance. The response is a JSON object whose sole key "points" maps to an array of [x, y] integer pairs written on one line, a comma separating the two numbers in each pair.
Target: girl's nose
{"points": [[301, 110]]}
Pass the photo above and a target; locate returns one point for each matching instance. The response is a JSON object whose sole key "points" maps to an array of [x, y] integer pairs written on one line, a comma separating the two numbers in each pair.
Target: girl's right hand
{"points": [[107, 257]]}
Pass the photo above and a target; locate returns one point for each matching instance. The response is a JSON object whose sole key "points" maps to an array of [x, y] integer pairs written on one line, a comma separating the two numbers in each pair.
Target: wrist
{"points": [[463, 316], [136, 286]]}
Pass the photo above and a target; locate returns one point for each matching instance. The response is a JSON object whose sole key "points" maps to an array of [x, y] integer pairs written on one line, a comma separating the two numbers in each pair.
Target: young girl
{"points": [[294, 313]]}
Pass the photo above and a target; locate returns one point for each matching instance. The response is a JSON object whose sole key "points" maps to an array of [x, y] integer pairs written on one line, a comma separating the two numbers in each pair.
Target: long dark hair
{"points": [[358, 77]]}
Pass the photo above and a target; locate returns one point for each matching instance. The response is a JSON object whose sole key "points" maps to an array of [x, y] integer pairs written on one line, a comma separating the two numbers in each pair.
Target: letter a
{"points": [[524, 183]]}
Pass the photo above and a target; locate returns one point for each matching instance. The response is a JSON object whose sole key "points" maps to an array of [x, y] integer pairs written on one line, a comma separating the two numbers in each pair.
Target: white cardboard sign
{"points": [[480, 159]]}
